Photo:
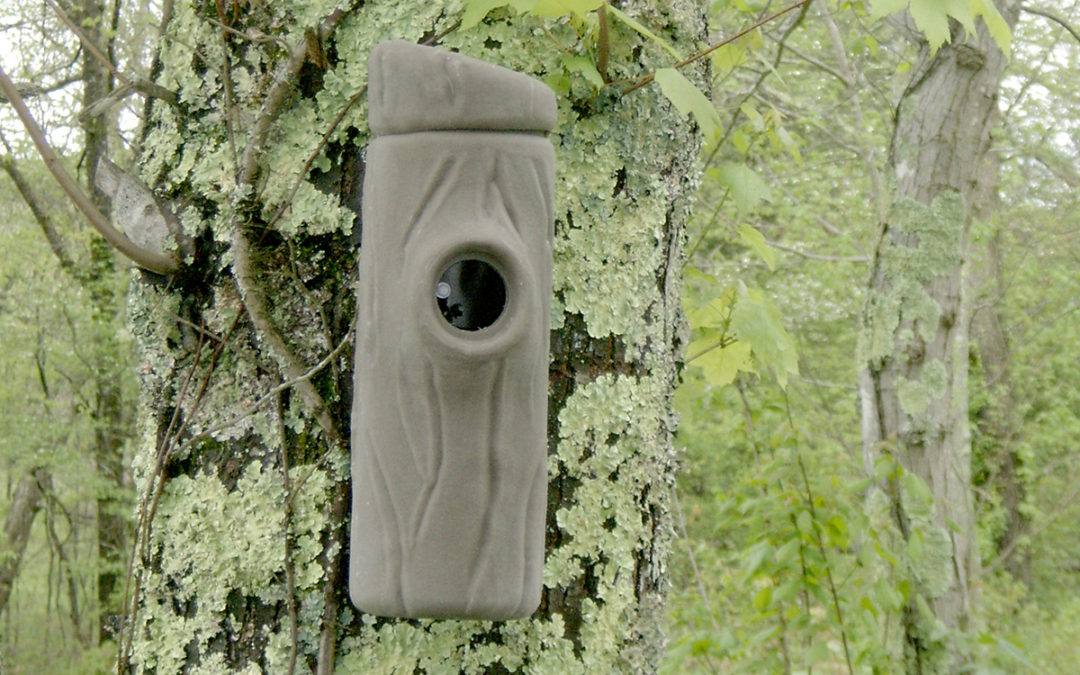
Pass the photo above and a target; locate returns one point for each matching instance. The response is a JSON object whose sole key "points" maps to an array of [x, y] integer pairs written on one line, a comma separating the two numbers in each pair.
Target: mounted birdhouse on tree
{"points": [[449, 415]]}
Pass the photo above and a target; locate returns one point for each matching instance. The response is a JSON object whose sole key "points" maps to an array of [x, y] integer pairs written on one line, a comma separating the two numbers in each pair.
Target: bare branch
{"points": [[150, 260], [315, 154], [32, 90], [38, 210], [646, 79], [267, 397], [22, 511], [131, 84], [1052, 17], [819, 64], [140, 85], [250, 291], [87, 43], [818, 256]]}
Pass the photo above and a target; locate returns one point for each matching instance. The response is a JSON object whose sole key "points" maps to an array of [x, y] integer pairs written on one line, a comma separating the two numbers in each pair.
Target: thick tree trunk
{"points": [[239, 562], [914, 350]]}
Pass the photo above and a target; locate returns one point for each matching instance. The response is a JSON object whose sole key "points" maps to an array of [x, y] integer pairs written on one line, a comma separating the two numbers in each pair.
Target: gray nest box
{"points": [[450, 405]]}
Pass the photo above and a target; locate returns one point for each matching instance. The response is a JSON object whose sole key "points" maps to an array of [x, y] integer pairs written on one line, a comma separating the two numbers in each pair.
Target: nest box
{"points": [[450, 404]]}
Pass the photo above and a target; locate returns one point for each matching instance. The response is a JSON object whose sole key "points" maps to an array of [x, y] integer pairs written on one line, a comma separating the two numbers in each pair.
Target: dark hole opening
{"points": [[471, 294]]}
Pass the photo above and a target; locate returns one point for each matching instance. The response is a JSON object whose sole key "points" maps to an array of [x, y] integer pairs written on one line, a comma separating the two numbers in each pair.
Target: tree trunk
{"points": [[998, 421], [107, 452], [914, 348], [240, 557], [25, 505]]}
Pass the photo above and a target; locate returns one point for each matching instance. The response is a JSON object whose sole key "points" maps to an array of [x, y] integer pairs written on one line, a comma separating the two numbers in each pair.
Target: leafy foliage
{"points": [[932, 18]]}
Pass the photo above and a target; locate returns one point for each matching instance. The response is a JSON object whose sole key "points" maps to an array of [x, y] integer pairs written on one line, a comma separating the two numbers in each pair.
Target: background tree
{"points": [[914, 389], [745, 594], [94, 395]]}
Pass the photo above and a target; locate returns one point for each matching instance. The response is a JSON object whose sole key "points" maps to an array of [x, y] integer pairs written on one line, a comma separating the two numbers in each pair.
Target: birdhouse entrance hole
{"points": [[471, 294]]}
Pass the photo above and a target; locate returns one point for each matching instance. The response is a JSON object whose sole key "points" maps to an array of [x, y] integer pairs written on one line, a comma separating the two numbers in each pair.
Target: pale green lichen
{"points": [[915, 395], [213, 540], [922, 243]]}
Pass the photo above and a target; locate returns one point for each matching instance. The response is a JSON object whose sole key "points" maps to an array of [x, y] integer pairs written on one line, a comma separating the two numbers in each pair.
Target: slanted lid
{"points": [[416, 88]]}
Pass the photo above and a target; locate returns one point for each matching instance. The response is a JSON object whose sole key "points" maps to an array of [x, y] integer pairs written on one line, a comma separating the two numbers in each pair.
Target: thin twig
{"points": [[290, 574], [1030, 535], [708, 228], [37, 208], [602, 41], [1052, 17], [87, 43], [32, 90], [724, 341], [243, 273], [821, 546], [334, 584], [132, 583], [226, 80], [693, 560], [268, 396], [817, 256], [315, 155], [256, 37], [646, 79]]}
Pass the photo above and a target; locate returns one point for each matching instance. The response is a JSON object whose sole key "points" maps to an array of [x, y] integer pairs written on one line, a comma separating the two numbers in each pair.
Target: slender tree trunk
{"points": [[239, 563], [112, 521], [24, 508], [914, 351], [999, 420]]}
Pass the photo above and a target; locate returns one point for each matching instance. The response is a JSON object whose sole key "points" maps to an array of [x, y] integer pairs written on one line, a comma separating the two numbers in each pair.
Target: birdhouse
{"points": [[449, 414]]}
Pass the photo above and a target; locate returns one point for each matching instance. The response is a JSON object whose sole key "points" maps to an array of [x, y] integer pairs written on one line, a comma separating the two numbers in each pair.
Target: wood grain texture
{"points": [[449, 426]]}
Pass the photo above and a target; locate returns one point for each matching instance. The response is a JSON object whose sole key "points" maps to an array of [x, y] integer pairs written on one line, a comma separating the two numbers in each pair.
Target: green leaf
{"points": [[819, 652], [476, 10], [585, 67], [754, 557], [763, 598], [880, 8], [932, 19], [886, 555], [727, 58], [917, 489], [805, 523], [756, 240], [998, 27], [688, 100], [755, 320], [635, 25], [747, 187], [1008, 649], [721, 365], [868, 605], [915, 546], [553, 8], [715, 314], [787, 553]]}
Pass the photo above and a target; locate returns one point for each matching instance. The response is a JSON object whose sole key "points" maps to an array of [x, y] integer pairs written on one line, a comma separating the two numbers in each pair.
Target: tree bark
{"points": [[238, 564], [914, 347]]}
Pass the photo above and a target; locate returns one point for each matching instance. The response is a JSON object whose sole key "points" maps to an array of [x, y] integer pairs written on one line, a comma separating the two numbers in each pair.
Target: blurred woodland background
{"points": [[785, 558]]}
